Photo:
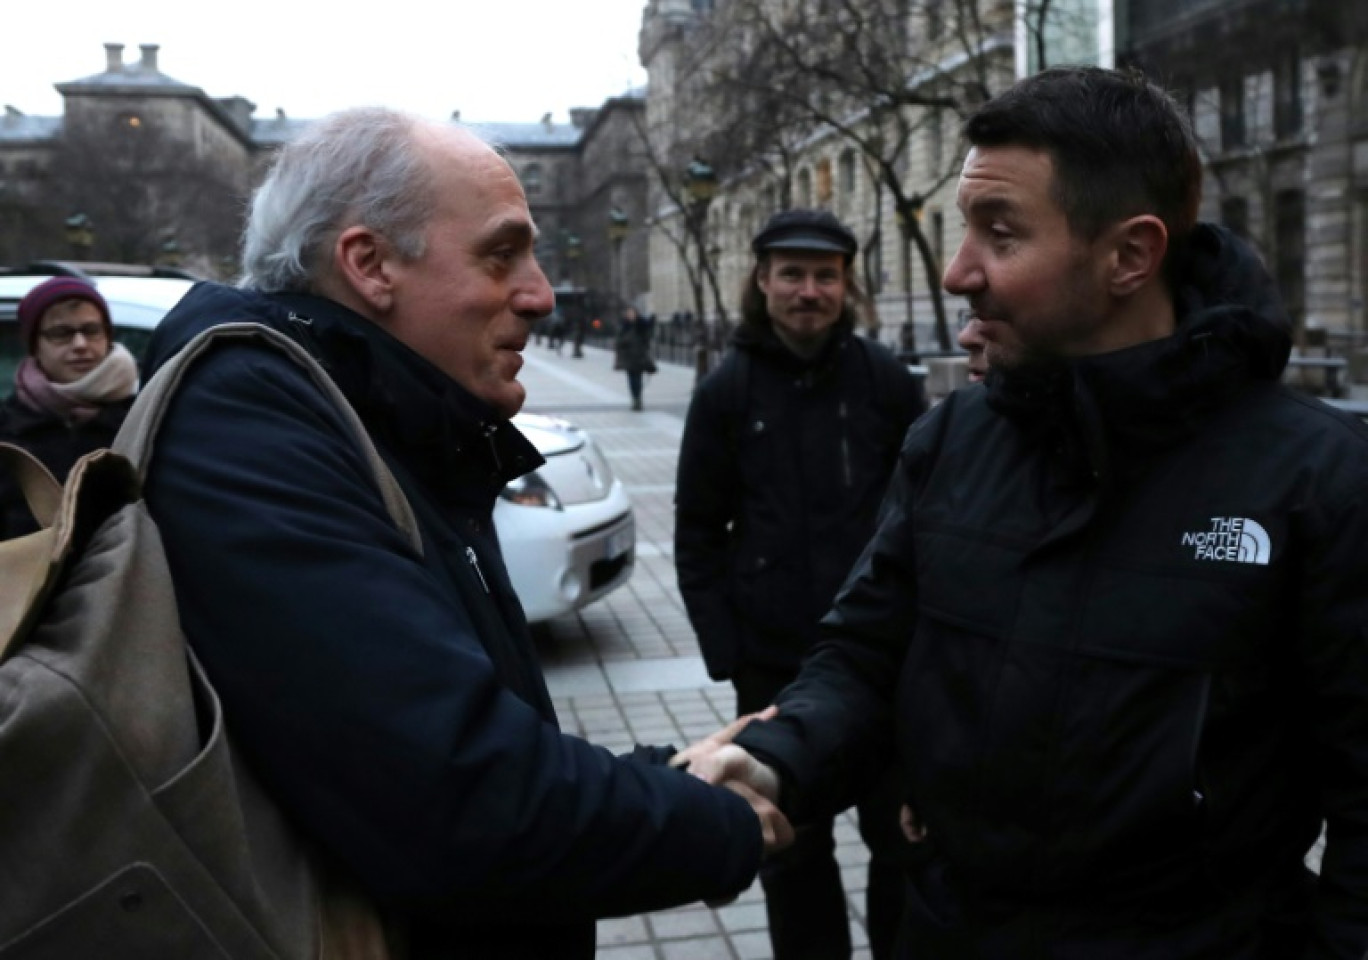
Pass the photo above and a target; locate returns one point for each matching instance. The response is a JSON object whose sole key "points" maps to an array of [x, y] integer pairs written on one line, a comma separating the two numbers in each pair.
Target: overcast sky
{"points": [[509, 60]]}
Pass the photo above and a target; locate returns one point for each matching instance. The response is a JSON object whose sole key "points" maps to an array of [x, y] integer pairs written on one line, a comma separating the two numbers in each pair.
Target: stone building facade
{"points": [[1278, 91], [826, 167], [162, 171]]}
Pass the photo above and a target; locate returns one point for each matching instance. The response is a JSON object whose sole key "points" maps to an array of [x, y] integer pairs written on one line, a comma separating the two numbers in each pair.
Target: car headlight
{"points": [[531, 491]]}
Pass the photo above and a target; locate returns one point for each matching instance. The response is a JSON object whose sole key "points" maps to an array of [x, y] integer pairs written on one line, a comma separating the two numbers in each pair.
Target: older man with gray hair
{"points": [[392, 702]]}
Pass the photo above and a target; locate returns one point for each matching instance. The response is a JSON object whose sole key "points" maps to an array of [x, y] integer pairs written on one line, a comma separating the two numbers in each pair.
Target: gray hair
{"points": [[361, 166]]}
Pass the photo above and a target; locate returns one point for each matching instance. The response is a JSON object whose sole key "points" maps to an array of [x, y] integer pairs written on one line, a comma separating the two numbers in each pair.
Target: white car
{"points": [[567, 530]]}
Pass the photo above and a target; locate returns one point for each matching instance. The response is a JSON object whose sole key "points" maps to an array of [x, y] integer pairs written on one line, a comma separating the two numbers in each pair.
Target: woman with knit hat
{"points": [[71, 392]]}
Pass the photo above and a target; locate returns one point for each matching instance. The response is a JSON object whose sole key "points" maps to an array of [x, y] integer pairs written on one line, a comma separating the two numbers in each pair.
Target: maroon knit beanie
{"points": [[36, 303]]}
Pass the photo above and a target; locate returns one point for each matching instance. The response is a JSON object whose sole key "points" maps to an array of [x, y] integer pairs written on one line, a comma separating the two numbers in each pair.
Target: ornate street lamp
{"points": [[170, 254], [700, 181], [80, 234]]}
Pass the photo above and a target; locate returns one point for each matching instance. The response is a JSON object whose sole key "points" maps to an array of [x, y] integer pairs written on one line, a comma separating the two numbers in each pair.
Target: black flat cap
{"points": [[817, 230]]}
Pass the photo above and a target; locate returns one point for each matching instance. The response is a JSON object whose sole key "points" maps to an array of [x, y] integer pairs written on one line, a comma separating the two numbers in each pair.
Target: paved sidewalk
{"points": [[626, 670]]}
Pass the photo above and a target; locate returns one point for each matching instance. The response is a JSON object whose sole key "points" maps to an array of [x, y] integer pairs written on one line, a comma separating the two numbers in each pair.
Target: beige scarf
{"points": [[115, 379]]}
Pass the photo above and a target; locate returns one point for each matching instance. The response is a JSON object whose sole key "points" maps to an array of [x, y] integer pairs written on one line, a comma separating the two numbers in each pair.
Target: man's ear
{"points": [[362, 261], [1138, 253]]}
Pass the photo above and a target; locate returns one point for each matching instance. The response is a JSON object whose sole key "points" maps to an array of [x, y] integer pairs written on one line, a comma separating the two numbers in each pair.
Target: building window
{"points": [[824, 182], [1235, 215], [848, 174], [532, 179], [1287, 101], [1232, 113], [874, 263], [1290, 227]]}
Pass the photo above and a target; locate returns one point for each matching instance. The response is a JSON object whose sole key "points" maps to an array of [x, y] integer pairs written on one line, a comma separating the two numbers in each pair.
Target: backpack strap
{"points": [[136, 437]]}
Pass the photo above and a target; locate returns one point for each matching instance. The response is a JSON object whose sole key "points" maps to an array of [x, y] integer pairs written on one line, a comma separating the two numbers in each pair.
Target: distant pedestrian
{"points": [[633, 351], [787, 450], [555, 331], [72, 390]]}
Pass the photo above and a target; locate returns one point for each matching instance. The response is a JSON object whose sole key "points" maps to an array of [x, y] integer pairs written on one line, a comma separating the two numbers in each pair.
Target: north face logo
{"points": [[1237, 539]]}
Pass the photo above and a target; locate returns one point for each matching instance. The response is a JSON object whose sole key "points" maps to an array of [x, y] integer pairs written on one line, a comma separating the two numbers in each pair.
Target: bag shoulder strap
{"points": [[137, 435]]}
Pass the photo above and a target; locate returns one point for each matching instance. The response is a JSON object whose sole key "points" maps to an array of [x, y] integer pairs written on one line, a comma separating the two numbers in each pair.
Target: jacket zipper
{"points": [[846, 468], [475, 565]]}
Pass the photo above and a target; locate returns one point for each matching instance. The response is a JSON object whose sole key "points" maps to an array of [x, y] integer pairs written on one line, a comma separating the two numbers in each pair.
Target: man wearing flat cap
{"points": [[787, 450]]}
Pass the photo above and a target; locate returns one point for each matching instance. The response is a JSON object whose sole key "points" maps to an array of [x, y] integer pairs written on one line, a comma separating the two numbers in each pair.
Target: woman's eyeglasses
{"points": [[60, 336]]}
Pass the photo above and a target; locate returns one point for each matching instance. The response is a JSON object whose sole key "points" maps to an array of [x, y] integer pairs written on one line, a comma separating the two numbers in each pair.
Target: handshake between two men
{"points": [[719, 761]]}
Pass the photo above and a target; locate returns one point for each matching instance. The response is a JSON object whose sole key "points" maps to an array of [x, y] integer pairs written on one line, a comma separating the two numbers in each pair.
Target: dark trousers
{"points": [[634, 385], [804, 898]]}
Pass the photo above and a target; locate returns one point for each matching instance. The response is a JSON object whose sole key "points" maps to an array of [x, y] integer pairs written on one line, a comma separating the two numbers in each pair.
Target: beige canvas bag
{"points": [[129, 827]]}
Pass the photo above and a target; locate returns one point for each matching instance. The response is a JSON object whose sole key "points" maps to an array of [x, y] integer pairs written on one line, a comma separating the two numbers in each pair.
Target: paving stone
{"points": [[687, 922], [703, 948], [622, 930]]}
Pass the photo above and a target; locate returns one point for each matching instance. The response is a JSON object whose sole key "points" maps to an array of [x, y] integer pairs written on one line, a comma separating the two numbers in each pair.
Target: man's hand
{"points": [[730, 763], [777, 831], [912, 827], [774, 826], [695, 753]]}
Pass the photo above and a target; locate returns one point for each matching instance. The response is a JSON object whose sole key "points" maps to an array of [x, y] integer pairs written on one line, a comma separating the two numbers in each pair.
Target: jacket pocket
{"points": [[132, 915]]}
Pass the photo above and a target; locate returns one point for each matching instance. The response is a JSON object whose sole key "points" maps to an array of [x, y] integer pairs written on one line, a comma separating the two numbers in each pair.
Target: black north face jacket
{"points": [[782, 467], [1118, 619]]}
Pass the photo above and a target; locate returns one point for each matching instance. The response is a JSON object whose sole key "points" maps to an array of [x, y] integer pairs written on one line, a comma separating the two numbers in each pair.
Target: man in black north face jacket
{"points": [[1115, 617]]}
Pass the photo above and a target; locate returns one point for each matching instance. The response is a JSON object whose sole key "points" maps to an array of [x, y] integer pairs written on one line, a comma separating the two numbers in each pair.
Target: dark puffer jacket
{"points": [[57, 443], [781, 471], [393, 704], [1116, 617]]}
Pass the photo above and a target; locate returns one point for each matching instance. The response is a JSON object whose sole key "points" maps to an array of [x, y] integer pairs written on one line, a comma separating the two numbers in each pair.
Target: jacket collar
{"points": [[452, 440], [762, 341], [459, 447], [1231, 332]]}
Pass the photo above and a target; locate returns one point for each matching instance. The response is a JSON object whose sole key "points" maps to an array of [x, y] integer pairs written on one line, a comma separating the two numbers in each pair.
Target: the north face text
{"points": [[1235, 539]]}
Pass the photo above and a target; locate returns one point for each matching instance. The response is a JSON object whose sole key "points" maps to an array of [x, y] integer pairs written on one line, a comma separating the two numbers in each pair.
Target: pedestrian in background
{"points": [[632, 351], [787, 450], [71, 391]]}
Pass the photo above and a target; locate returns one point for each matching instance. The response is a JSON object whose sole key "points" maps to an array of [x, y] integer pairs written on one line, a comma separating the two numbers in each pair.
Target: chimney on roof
{"points": [[546, 122], [149, 57], [113, 57]]}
